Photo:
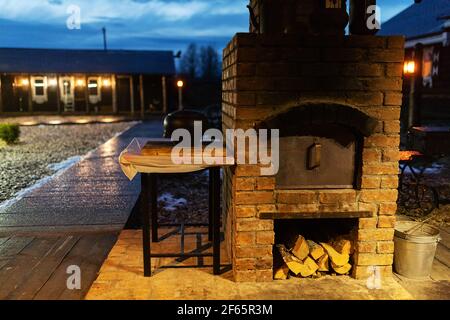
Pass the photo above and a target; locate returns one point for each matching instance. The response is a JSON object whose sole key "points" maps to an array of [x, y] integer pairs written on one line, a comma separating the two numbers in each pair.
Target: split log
{"points": [[294, 264], [343, 246], [323, 263], [335, 257], [281, 273], [341, 269], [301, 248], [312, 265], [315, 250]]}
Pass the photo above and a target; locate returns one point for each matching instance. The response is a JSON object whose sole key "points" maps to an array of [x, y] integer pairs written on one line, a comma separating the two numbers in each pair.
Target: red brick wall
{"points": [[265, 75]]}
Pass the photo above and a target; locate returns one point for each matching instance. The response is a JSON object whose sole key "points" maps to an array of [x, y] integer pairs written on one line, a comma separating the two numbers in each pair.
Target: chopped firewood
{"points": [[301, 248], [293, 263], [323, 263], [306, 271], [337, 258], [341, 269], [343, 246], [281, 273], [315, 250], [311, 264]]}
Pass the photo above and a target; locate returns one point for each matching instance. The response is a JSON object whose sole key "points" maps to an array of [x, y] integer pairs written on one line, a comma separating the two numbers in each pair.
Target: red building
{"points": [[426, 26]]}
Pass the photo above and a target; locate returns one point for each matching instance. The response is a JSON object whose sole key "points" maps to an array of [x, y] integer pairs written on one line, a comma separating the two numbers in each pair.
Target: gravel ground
{"points": [[24, 163]]}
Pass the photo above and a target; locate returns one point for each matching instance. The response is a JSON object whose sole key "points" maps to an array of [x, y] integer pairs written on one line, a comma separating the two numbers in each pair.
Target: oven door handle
{"points": [[314, 156]]}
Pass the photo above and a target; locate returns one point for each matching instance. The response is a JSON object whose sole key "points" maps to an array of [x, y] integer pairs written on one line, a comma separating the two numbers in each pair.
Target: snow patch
{"points": [[170, 202], [64, 164], [435, 168]]}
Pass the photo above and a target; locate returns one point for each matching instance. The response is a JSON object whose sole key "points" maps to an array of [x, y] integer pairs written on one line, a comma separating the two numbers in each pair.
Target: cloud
{"points": [[165, 10], [131, 24]]}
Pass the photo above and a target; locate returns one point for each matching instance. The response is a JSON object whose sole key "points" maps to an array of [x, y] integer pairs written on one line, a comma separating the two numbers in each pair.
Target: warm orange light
{"points": [[409, 67], [52, 82], [107, 120], [29, 123], [82, 121], [106, 82], [180, 84], [24, 82], [55, 122], [80, 82]]}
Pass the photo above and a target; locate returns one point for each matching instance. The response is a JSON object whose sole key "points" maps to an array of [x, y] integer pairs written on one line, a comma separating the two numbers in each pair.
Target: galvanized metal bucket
{"points": [[415, 251]]}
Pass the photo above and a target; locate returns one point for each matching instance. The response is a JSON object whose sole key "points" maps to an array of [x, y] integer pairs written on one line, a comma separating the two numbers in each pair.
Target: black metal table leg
{"points": [[145, 214], [210, 204], [154, 206], [215, 172]]}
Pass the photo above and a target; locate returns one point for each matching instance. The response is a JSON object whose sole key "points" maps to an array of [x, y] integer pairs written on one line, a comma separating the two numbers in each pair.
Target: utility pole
{"points": [[105, 47]]}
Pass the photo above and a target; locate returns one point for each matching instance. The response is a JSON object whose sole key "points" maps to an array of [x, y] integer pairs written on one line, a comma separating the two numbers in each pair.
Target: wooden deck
{"points": [[35, 266]]}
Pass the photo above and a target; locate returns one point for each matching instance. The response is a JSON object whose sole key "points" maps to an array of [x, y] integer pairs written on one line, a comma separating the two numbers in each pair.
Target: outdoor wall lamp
{"points": [[80, 83], [409, 67], [106, 82], [52, 82], [24, 82]]}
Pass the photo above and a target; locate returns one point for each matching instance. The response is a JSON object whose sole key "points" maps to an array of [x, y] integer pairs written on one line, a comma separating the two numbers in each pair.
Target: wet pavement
{"points": [[92, 193]]}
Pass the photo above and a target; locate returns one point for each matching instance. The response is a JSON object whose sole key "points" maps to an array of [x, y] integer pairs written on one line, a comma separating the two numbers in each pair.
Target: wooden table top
{"points": [[164, 147]]}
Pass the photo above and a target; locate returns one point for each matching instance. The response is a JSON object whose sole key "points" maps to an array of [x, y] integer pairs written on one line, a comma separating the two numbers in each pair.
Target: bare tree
{"points": [[209, 63], [189, 61]]}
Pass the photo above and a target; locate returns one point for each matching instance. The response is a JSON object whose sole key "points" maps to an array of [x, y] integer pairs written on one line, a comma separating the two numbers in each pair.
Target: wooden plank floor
{"points": [[35, 267]]}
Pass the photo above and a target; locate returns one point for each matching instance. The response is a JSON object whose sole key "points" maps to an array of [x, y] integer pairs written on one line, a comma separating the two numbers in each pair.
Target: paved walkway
{"points": [[74, 219]]}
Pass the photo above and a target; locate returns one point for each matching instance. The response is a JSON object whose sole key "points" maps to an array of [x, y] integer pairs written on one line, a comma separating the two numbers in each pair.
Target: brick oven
{"points": [[336, 101]]}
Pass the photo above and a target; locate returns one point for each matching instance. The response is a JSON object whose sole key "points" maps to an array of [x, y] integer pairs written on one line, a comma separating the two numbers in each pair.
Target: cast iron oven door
{"points": [[321, 157], [320, 145]]}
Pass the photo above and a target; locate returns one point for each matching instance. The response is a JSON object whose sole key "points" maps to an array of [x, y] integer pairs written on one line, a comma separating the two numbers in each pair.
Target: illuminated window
{"points": [[93, 87], [39, 87], [427, 62]]}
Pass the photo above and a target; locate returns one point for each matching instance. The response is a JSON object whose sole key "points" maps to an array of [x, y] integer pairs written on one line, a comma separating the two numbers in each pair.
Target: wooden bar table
{"points": [[152, 159]]}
